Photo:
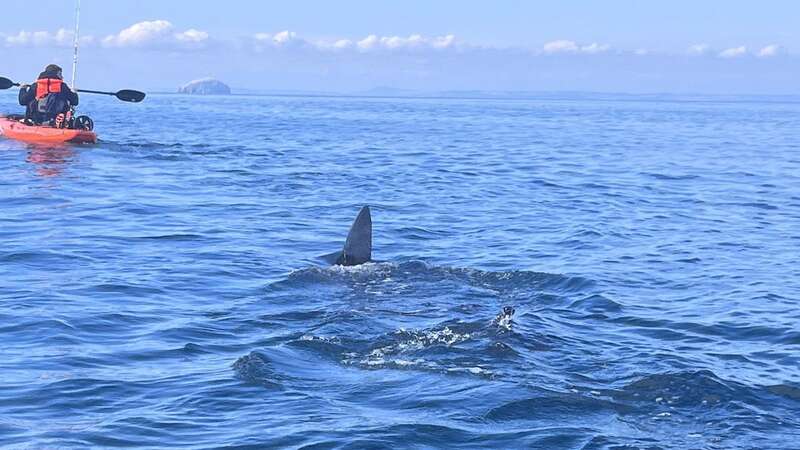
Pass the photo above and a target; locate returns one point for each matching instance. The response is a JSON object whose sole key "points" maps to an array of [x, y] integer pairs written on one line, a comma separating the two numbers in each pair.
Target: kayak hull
{"points": [[14, 129]]}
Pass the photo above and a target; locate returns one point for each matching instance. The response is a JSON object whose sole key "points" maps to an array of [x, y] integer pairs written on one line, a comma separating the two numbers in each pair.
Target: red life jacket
{"points": [[46, 86]]}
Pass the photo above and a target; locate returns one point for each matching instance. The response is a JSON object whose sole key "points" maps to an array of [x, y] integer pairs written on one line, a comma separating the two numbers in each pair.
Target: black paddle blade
{"points": [[128, 95], [5, 83]]}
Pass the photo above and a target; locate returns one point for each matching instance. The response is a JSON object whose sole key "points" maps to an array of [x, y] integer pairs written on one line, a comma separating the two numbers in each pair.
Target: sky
{"points": [[704, 47]]}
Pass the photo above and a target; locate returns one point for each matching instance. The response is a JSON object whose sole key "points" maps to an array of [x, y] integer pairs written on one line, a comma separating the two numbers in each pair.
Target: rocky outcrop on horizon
{"points": [[205, 86]]}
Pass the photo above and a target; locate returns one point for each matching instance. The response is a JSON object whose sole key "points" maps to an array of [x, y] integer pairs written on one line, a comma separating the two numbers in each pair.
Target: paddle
{"points": [[5, 83], [126, 95]]}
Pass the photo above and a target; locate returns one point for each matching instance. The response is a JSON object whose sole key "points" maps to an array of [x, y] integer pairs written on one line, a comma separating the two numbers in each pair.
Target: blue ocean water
{"points": [[162, 288]]}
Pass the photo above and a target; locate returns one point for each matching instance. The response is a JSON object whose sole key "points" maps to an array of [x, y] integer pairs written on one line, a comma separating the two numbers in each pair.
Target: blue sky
{"points": [[621, 46]]}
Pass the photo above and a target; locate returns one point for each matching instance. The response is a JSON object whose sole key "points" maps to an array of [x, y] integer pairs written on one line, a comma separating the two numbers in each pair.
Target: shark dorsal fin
{"points": [[358, 246]]}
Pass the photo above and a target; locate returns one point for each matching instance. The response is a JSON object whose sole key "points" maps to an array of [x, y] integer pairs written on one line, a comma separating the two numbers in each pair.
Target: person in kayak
{"points": [[49, 99]]}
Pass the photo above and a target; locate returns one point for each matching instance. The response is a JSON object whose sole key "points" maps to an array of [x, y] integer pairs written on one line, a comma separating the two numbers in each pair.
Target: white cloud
{"points": [[594, 48], [162, 34], [566, 46], [560, 46], [770, 51], [192, 35], [398, 42], [734, 52], [61, 38], [698, 49], [414, 41], [444, 41], [154, 33], [285, 37], [342, 44], [337, 45], [367, 44], [140, 33], [281, 39]]}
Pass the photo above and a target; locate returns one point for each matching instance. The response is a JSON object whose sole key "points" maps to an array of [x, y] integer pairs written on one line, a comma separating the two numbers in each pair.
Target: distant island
{"points": [[205, 86]]}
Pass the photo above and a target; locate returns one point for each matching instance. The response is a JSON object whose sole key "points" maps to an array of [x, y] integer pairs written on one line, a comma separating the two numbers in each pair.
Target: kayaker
{"points": [[49, 99]]}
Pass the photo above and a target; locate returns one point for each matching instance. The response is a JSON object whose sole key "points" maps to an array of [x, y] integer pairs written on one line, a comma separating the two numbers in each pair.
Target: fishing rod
{"points": [[75, 43], [126, 95]]}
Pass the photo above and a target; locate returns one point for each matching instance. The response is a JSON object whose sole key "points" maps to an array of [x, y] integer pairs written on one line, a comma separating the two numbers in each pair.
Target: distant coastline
{"points": [[511, 95]]}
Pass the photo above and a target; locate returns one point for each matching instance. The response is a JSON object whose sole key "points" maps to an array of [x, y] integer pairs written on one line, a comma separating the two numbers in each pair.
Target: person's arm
{"points": [[26, 94], [72, 97]]}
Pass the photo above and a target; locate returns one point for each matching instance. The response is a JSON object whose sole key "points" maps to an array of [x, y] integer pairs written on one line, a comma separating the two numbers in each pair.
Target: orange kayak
{"points": [[14, 129]]}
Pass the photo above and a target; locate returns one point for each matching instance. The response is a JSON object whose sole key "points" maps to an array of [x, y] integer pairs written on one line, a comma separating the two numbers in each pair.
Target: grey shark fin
{"points": [[358, 246], [331, 258]]}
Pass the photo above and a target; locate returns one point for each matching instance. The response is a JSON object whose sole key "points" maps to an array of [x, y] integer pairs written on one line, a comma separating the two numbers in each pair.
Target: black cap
{"points": [[53, 68]]}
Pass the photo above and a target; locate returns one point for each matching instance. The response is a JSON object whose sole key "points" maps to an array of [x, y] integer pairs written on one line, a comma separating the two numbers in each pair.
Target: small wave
{"points": [[562, 406], [327, 347], [255, 368], [732, 332], [335, 274], [790, 338], [123, 288], [151, 145], [435, 349], [597, 304], [682, 389], [406, 348], [547, 184], [520, 279], [666, 177], [37, 257], [515, 280], [757, 205], [173, 237], [419, 233], [694, 260], [50, 325], [788, 391]]}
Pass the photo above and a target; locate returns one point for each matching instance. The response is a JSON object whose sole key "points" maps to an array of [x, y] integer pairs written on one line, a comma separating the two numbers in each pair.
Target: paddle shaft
{"points": [[126, 95], [87, 91]]}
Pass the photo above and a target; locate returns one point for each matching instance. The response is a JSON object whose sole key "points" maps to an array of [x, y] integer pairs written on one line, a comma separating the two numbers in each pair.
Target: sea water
{"points": [[163, 288]]}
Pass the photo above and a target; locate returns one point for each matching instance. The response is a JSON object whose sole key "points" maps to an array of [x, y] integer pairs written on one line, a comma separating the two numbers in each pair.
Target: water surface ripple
{"points": [[163, 288]]}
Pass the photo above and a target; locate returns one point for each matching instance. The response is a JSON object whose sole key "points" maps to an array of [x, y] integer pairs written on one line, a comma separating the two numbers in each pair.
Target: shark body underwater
{"points": [[358, 246]]}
